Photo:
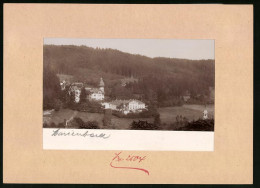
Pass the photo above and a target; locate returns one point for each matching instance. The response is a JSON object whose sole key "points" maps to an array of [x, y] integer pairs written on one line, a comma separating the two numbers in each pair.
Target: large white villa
{"points": [[125, 106]]}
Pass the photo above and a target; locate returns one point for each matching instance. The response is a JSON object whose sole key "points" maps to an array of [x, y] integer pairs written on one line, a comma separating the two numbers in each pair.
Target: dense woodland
{"points": [[161, 81]]}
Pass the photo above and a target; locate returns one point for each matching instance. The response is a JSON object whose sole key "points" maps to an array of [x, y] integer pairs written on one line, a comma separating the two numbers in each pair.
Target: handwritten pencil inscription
{"points": [[59, 132]]}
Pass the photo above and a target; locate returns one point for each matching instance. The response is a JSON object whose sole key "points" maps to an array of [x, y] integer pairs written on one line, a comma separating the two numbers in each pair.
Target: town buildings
{"points": [[97, 94], [76, 89], [125, 106]]}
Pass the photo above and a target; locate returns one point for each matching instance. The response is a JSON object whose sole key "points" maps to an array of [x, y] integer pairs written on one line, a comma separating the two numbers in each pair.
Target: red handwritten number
{"points": [[118, 159]]}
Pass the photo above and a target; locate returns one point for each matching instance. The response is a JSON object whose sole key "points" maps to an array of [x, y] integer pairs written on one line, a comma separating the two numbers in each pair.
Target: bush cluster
{"points": [[92, 107], [86, 125], [199, 125], [143, 125], [53, 125], [151, 112]]}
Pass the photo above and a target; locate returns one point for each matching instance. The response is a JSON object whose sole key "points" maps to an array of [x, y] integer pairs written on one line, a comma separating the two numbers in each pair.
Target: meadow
{"points": [[167, 115], [191, 112], [117, 123]]}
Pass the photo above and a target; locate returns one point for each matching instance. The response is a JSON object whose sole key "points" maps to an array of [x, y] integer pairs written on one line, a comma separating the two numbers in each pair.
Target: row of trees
{"points": [[51, 89]]}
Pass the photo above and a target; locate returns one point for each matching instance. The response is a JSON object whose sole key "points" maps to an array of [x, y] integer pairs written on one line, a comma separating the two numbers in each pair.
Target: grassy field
{"points": [[192, 112], [167, 115], [117, 123], [124, 123]]}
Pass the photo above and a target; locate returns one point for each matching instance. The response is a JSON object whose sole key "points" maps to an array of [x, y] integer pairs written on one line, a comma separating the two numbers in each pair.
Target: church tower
{"points": [[101, 85]]}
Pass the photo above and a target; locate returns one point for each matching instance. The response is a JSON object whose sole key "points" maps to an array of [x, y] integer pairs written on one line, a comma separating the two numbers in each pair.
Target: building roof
{"points": [[119, 102], [95, 90], [138, 101]]}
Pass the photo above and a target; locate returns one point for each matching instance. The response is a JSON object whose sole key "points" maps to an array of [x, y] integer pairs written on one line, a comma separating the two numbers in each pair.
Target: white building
{"points": [[134, 105], [63, 85], [125, 106], [76, 89], [94, 93], [97, 94]]}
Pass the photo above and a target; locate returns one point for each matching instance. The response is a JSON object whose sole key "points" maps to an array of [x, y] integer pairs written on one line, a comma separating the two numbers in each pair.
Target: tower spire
{"points": [[101, 84]]}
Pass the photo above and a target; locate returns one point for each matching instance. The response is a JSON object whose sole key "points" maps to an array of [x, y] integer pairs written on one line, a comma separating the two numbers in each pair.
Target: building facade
{"points": [[97, 94], [76, 89], [125, 106]]}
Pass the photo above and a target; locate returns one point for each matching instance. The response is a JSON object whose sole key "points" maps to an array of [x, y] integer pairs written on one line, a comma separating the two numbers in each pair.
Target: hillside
{"points": [[160, 79]]}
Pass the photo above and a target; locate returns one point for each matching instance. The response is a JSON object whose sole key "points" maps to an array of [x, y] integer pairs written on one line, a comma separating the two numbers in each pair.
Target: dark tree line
{"points": [[51, 89]]}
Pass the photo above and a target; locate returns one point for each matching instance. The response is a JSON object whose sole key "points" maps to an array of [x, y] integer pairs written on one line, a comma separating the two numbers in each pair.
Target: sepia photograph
{"points": [[129, 84], [128, 94]]}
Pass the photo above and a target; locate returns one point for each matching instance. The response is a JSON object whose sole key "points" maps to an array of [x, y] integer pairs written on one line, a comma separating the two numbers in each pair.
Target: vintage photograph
{"points": [[129, 84]]}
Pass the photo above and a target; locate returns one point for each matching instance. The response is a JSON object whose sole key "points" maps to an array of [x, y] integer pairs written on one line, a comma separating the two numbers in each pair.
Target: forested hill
{"points": [[172, 75]]}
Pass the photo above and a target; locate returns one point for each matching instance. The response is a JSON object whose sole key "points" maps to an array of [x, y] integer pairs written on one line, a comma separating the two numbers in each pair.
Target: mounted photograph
{"points": [[129, 84]]}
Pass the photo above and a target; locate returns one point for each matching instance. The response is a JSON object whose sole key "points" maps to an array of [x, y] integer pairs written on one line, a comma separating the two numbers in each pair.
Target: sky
{"points": [[172, 48]]}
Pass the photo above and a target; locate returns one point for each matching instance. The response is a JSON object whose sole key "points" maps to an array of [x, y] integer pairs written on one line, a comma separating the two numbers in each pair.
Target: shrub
{"points": [[199, 125], [143, 125], [53, 125], [107, 117], [57, 104], [157, 120], [90, 125], [61, 125], [79, 123], [45, 125], [92, 107]]}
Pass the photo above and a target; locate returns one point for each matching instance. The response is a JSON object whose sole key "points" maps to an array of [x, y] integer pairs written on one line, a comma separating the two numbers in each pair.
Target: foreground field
{"points": [[191, 112], [117, 123], [167, 115]]}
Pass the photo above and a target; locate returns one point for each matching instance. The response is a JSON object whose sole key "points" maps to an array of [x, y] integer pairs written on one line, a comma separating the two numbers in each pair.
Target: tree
{"points": [[157, 120], [107, 117], [57, 104], [83, 95], [51, 88], [71, 99], [65, 96]]}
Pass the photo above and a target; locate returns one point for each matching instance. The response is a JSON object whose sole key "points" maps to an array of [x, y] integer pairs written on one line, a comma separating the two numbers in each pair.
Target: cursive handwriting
{"points": [[59, 132], [133, 159]]}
